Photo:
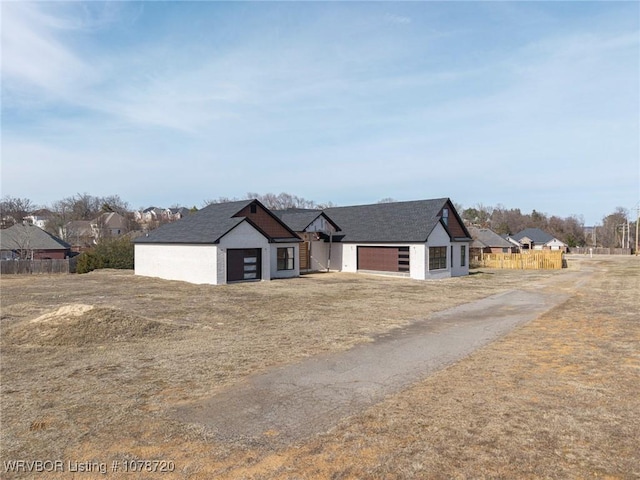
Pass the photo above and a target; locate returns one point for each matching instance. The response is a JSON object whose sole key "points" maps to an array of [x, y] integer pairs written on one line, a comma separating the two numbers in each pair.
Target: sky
{"points": [[530, 105]]}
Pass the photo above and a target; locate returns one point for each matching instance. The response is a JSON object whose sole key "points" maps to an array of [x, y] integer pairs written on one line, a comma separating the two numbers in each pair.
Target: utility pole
{"points": [[637, 222]]}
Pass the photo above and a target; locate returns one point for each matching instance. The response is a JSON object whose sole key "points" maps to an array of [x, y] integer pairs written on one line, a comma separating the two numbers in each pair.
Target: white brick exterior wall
{"points": [[188, 263], [243, 236]]}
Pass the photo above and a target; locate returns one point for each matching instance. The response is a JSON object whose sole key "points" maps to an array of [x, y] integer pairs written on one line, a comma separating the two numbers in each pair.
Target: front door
{"points": [[244, 264]]}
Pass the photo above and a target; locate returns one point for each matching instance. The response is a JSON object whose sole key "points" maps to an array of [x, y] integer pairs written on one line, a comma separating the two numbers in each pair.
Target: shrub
{"points": [[109, 253]]}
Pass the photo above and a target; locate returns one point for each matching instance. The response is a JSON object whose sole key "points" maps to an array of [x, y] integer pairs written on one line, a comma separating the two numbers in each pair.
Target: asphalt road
{"points": [[297, 401]]}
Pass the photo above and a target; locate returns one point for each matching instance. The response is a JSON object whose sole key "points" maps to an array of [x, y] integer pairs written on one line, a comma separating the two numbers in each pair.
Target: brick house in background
{"points": [[31, 243]]}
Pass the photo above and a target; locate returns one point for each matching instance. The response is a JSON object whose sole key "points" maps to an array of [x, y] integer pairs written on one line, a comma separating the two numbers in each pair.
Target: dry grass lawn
{"points": [[92, 365]]}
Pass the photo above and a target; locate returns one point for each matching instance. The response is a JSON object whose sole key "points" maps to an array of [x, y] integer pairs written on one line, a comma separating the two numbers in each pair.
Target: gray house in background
{"points": [[31, 243], [486, 240], [536, 239]]}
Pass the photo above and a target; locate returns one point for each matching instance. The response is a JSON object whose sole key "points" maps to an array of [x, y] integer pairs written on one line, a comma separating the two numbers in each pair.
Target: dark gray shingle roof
{"points": [[204, 226], [410, 221], [538, 236], [30, 237], [485, 237], [298, 219]]}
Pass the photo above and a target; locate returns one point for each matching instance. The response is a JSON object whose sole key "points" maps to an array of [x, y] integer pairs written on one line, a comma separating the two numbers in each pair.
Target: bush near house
{"points": [[109, 253]]}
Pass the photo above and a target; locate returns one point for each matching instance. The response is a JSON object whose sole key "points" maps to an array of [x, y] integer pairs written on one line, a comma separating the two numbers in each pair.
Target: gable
{"points": [[266, 221], [453, 223]]}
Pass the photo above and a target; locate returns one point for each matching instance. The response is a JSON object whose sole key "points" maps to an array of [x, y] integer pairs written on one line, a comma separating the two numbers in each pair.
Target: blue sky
{"points": [[532, 105]]}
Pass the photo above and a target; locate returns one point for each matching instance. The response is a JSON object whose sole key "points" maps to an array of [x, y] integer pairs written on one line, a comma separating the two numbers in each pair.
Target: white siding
{"points": [[438, 238], [458, 270], [275, 273], [188, 263], [243, 236], [417, 258], [349, 257], [319, 255], [335, 262]]}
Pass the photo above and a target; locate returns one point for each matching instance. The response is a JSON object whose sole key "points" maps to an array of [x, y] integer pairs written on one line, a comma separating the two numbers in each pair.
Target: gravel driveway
{"points": [[296, 401]]}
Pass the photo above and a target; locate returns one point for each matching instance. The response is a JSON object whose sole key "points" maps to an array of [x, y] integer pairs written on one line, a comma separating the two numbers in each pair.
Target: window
{"points": [[463, 255], [445, 216], [437, 258], [403, 259], [285, 258], [253, 208]]}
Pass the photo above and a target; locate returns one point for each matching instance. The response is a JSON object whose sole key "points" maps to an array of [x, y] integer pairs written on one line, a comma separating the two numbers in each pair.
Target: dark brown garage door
{"points": [[384, 259], [244, 264]]}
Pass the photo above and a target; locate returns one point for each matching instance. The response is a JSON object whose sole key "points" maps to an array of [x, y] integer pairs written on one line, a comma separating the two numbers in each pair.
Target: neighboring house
{"points": [[80, 234], [243, 240], [31, 243], [536, 239], [109, 224], [222, 243], [39, 218], [486, 240], [149, 214], [173, 214], [155, 214], [84, 234]]}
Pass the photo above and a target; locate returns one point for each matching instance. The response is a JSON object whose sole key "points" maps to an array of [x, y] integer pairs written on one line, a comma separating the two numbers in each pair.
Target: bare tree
{"points": [[13, 210], [613, 229], [281, 201]]}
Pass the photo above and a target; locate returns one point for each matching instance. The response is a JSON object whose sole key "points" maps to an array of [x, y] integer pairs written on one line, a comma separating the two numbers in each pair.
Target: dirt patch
{"points": [[80, 325]]}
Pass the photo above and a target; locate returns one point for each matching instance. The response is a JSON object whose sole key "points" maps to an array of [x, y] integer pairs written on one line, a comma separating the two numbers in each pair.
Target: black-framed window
{"points": [[463, 255], [437, 258], [285, 258]]}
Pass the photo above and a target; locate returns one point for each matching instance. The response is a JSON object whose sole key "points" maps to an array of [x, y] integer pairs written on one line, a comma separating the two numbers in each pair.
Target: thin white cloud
{"points": [[327, 98], [32, 56]]}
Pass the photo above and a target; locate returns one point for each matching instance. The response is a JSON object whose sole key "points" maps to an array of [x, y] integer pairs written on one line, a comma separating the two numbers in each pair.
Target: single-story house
{"points": [[536, 239], [239, 241], [31, 243], [221, 243], [486, 240]]}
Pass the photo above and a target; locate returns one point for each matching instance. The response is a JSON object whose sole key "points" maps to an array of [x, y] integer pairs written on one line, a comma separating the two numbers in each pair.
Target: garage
{"points": [[384, 259], [244, 264]]}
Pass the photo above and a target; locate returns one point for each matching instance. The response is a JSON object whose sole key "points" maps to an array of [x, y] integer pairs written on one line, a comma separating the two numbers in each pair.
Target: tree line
{"points": [[616, 229]]}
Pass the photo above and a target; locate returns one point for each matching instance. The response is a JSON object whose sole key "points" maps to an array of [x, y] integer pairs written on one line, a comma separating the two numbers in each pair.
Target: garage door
{"points": [[384, 259], [244, 264]]}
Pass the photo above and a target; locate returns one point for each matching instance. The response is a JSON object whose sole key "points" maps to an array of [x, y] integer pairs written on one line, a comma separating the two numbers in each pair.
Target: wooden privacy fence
{"points": [[26, 267], [538, 260]]}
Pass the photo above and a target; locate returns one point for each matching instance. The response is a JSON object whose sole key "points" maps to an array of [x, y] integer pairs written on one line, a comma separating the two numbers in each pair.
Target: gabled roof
{"points": [[78, 228], [299, 219], [411, 221], [111, 220], [206, 226], [485, 237], [23, 237], [538, 236]]}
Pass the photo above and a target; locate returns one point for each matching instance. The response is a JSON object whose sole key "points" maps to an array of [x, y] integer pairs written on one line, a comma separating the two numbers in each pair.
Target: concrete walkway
{"points": [[296, 401]]}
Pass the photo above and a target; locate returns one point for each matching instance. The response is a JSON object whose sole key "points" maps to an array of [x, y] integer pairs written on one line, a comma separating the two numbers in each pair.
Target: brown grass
{"points": [[557, 398]]}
